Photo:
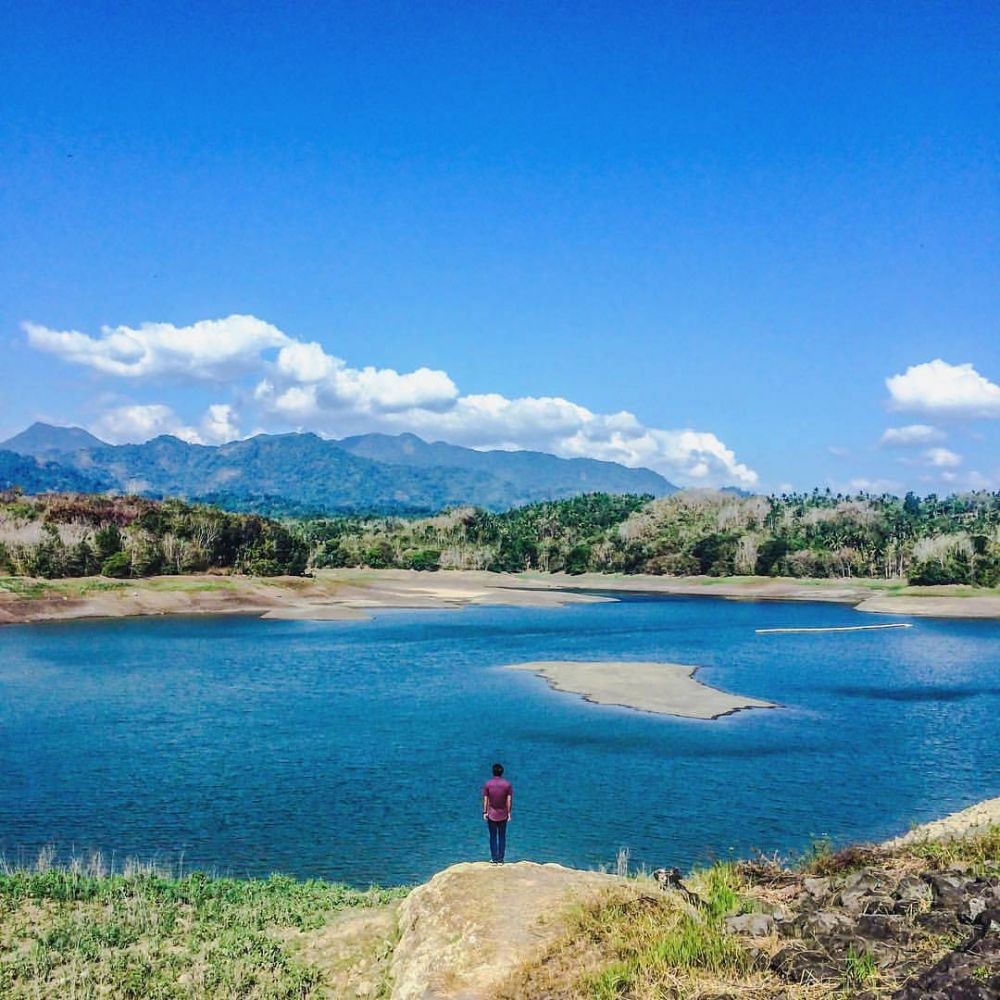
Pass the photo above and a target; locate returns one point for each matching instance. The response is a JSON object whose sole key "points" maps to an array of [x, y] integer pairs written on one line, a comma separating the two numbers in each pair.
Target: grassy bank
{"points": [[79, 932], [74, 932]]}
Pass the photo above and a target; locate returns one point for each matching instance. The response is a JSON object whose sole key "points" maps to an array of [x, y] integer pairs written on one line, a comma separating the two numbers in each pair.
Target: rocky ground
{"points": [[916, 918], [880, 923]]}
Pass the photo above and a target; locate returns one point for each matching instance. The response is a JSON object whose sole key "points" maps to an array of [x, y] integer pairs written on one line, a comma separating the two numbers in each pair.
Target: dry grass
{"points": [[640, 943]]}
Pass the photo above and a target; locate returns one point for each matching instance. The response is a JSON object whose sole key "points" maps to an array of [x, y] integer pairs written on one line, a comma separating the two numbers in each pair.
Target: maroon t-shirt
{"points": [[496, 791]]}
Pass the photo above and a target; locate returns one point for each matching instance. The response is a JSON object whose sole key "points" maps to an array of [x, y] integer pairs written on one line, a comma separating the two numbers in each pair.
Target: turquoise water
{"points": [[356, 751]]}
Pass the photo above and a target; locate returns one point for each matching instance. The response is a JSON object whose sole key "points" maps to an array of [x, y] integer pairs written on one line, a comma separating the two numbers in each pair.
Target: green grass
{"points": [[88, 585], [67, 933], [180, 584], [23, 586], [651, 943], [860, 969], [981, 851]]}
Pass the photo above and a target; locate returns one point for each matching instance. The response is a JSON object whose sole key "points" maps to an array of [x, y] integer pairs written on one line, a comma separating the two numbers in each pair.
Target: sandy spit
{"points": [[661, 688], [975, 819], [984, 606], [950, 604]]}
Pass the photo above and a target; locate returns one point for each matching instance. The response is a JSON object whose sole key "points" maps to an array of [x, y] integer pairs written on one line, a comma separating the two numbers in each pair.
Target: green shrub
{"points": [[117, 565]]}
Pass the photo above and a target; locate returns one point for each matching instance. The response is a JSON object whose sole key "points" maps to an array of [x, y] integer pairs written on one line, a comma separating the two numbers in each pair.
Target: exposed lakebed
{"points": [[356, 750]]}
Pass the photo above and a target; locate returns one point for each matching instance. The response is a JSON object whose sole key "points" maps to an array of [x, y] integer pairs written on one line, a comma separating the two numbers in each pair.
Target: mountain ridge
{"points": [[292, 472]]}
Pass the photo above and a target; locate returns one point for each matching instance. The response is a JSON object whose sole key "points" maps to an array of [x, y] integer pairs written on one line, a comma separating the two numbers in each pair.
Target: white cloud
{"points": [[219, 424], [933, 458], [306, 362], [945, 389], [910, 436], [139, 422], [209, 349], [362, 389], [874, 486], [307, 388], [941, 458]]}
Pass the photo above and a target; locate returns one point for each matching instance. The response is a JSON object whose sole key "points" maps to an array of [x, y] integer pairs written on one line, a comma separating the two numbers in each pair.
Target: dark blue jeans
{"points": [[498, 838]]}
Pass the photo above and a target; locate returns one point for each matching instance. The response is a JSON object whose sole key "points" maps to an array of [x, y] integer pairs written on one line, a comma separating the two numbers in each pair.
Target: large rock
{"points": [[463, 932], [949, 888], [751, 924]]}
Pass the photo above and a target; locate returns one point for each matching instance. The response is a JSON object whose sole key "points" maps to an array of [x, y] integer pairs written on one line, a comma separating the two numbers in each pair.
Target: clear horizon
{"points": [[738, 248]]}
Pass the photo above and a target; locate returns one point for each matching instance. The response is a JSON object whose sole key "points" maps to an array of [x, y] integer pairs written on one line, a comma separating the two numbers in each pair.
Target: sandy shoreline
{"points": [[660, 688], [345, 595], [977, 818]]}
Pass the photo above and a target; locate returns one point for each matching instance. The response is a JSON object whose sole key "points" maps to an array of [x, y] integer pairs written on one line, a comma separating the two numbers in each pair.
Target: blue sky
{"points": [[735, 243]]}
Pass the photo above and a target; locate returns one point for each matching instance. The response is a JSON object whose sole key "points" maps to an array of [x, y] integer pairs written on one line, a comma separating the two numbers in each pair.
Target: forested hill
{"points": [[931, 540], [298, 474]]}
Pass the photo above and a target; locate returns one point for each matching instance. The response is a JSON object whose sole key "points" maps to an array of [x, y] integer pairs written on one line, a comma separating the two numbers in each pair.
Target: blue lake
{"points": [[356, 751]]}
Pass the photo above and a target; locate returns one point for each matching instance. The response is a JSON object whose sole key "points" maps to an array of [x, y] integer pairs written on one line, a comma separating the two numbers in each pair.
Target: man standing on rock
{"points": [[498, 799]]}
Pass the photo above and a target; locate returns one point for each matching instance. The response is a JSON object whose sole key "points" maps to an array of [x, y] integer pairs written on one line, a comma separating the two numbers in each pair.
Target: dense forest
{"points": [[64, 535], [930, 540]]}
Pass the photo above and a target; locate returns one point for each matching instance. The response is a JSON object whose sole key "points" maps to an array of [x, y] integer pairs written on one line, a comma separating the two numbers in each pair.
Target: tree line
{"points": [[67, 535], [929, 540], [925, 540]]}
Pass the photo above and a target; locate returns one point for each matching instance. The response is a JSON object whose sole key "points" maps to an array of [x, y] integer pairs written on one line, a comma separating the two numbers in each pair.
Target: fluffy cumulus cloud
{"points": [[219, 424], [938, 387], [298, 384], [210, 349], [328, 384], [142, 421], [910, 436]]}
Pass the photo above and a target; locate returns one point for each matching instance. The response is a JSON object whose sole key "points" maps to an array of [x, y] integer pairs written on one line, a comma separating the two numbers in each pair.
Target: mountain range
{"points": [[305, 474]]}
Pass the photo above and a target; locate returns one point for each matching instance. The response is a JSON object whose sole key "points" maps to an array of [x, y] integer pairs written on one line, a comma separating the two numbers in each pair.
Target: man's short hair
{"points": [[497, 770]]}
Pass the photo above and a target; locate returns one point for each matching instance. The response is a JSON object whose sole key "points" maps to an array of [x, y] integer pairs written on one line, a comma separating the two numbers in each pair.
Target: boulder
{"points": [[884, 927], [911, 888], [852, 900], [751, 924], [463, 932], [826, 923], [948, 888], [817, 888], [804, 965], [876, 903], [864, 880]]}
